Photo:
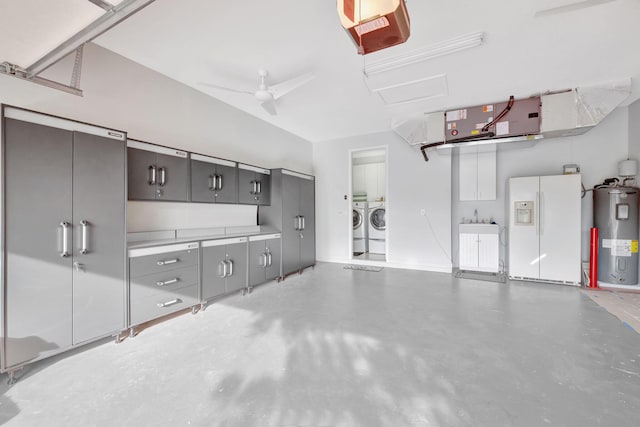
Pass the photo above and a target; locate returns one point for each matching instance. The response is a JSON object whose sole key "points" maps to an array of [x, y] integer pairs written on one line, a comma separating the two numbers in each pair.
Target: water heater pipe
{"points": [[593, 260]]}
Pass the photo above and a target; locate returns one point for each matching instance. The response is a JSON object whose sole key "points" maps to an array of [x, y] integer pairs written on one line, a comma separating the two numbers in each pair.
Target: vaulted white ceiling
{"points": [[524, 53]]}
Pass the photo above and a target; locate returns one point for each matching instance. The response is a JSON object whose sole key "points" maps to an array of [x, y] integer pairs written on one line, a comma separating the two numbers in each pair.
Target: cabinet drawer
{"points": [[160, 304], [164, 281], [156, 263]]}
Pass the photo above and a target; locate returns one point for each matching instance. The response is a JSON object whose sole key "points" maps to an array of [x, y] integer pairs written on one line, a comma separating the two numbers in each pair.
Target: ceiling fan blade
{"points": [[281, 89], [228, 89], [270, 107]]}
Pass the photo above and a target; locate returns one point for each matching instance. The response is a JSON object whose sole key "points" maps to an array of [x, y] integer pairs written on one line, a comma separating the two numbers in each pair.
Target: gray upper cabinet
{"points": [[213, 180], [224, 266], [157, 173], [264, 258], [64, 240], [254, 185], [292, 210]]}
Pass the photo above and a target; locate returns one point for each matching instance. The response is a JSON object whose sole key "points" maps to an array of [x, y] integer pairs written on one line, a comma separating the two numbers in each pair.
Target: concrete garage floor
{"points": [[337, 347]]}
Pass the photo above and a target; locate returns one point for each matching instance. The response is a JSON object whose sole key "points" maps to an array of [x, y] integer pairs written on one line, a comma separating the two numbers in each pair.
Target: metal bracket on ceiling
{"points": [[15, 71], [77, 68], [103, 4]]}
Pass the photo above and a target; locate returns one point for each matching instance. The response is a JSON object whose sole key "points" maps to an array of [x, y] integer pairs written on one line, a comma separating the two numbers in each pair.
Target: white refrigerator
{"points": [[544, 228]]}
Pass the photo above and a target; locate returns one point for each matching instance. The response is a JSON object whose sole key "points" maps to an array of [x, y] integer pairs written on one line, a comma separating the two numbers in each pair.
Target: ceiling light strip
{"points": [[112, 17], [436, 50]]}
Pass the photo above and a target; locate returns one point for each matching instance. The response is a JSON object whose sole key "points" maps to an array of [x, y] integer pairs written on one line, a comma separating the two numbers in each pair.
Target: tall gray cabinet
{"points": [[64, 240], [157, 173], [292, 210]]}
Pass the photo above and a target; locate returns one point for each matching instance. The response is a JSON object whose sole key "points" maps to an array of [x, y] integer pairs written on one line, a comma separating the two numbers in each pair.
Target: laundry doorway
{"points": [[369, 229]]}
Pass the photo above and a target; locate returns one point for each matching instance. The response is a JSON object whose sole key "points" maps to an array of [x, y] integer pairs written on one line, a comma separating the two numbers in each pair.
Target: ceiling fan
{"points": [[268, 94]]}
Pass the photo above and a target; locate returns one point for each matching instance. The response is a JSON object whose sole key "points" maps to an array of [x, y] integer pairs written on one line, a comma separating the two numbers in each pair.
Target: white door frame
{"points": [[350, 153]]}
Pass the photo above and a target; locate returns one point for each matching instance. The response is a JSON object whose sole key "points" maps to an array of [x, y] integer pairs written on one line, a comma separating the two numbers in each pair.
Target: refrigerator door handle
{"points": [[541, 204], [537, 210]]}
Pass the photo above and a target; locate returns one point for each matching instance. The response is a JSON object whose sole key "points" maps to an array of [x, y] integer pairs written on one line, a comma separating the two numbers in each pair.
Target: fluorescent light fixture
{"points": [[433, 51]]}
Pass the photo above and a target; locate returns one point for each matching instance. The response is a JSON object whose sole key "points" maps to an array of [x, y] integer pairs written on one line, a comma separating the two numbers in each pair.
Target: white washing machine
{"points": [[360, 227], [377, 216]]}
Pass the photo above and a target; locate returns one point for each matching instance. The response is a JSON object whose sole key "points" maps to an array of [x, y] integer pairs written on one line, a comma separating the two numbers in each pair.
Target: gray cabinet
{"points": [[157, 173], [162, 280], [254, 185], [64, 239], [292, 210], [213, 180], [264, 258], [224, 266]]}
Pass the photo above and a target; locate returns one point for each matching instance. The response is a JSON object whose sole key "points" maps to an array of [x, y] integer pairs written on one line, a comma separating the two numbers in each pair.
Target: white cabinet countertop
{"points": [[476, 228]]}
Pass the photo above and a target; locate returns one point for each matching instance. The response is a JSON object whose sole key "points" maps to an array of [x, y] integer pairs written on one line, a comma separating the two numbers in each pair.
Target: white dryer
{"points": [[360, 224], [377, 216]]}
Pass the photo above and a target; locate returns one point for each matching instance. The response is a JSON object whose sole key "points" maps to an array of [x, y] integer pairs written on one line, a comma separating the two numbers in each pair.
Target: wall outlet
{"points": [[423, 212]]}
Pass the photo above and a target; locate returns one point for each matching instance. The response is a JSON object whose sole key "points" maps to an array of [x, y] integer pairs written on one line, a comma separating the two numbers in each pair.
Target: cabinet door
{"points": [[38, 290], [468, 173], [237, 255], [202, 174], [488, 253], [213, 281], [99, 201], [290, 223], [139, 174], [560, 211], [468, 251], [246, 179], [308, 235], [174, 185], [264, 198], [371, 180], [487, 172], [229, 178], [272, 246], [257, 273]]}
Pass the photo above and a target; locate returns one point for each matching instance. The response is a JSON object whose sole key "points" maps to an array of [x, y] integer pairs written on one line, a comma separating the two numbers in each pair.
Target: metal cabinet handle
{"points": [[169, 303], [168, 282], [255, 187], [269, 259], [168, 261], [212, 183], [152, 175], [219, 182], [303, 223], [65, 239], [259, 184], [263, 260], [230, 263], [163, 176], [84, 249], [222, 269]]}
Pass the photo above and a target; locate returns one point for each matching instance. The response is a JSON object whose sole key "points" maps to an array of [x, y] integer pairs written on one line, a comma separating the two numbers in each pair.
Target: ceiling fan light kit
{"points": [[375, 24]]}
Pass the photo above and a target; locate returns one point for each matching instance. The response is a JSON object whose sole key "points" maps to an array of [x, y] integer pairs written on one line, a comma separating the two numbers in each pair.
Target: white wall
{"points": [[597, 152], [413, 185], [634, 131], [121, 94]]}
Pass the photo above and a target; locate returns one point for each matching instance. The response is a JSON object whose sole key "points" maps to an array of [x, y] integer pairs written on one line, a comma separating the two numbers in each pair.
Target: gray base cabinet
{"points": [[224, 266], [162, 280], [264, 258], [213, 180], [64, 239], [254, 185], [157, 173], [292, 210]]}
